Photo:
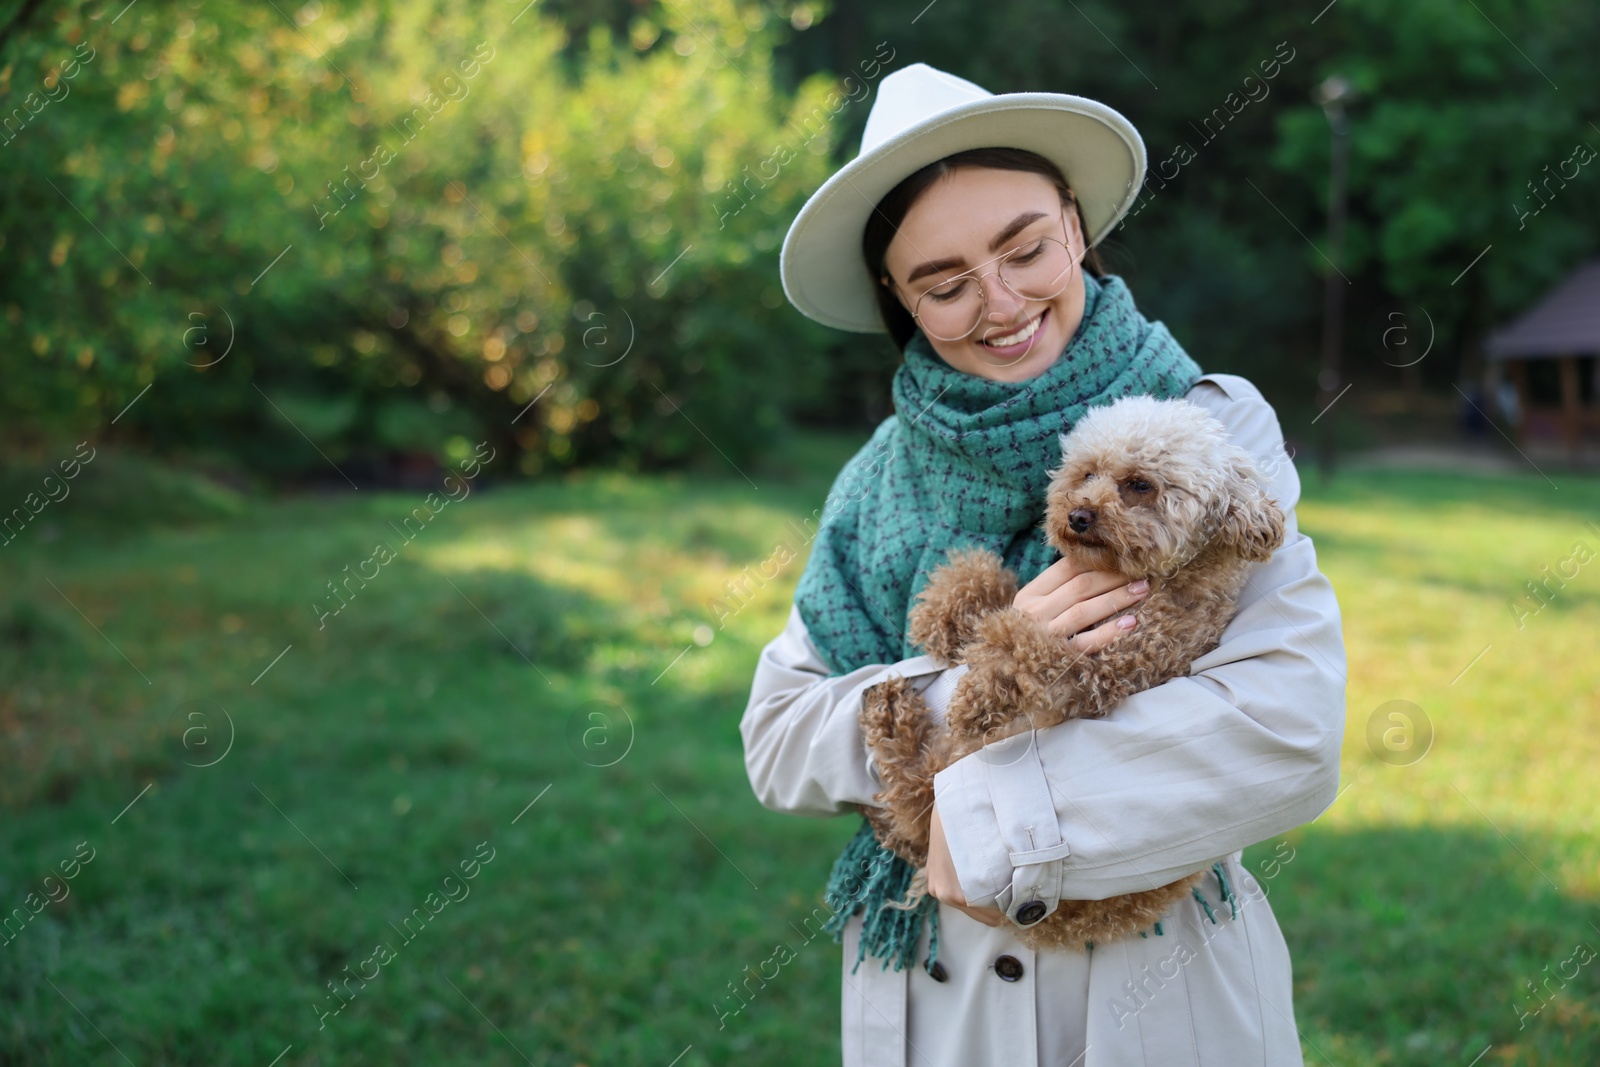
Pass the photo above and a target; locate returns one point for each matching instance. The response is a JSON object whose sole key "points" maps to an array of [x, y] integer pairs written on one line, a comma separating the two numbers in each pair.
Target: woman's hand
{"points": [[1068, 600], [943, 885]]}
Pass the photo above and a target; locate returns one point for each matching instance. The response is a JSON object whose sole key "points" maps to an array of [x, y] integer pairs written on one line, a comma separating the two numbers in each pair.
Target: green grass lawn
{"points": [[555, 646]]}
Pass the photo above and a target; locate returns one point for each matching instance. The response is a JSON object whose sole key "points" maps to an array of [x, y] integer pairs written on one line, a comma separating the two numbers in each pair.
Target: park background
{"points": [[273, 277]]}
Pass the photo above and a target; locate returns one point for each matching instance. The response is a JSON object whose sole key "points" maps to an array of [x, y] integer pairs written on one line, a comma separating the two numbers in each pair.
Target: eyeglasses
{"points": [[1037, 269]]}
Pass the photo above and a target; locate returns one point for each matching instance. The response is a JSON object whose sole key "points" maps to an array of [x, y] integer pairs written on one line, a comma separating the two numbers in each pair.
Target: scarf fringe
{"points": [[868, 877], [1229, 897], [1204, 903]]}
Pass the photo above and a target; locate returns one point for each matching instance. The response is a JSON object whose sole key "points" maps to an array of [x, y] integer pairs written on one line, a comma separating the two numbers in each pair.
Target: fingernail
{"points": [[1141, 586], [1127, 622]]}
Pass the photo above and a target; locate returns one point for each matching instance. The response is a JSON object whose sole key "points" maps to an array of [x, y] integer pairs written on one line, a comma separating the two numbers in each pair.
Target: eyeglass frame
{"points": [[981, 274]]}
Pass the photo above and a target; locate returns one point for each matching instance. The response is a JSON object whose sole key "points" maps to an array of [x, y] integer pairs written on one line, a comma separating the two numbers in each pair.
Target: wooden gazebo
{"points": [[1552, 356]]}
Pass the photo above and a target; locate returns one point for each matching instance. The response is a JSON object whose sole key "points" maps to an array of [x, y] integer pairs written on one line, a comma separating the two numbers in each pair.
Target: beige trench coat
{"points": [[1241, 750]]}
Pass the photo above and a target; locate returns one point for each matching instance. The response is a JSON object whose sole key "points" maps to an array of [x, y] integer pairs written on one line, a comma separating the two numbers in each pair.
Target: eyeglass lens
{"points": [[1038, 270]]}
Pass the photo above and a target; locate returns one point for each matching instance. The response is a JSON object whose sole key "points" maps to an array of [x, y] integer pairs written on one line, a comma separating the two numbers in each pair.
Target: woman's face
{"points": [[967, 218]]}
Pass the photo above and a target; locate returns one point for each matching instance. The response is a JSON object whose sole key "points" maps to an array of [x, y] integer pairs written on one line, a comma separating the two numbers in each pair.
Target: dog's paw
{"points": [[884, 708], [976, 717], [1016, 669], [990, 700], [897, 727], [972, 583]]}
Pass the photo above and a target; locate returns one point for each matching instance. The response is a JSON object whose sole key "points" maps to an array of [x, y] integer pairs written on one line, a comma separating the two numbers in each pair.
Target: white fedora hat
{"points": [[921, 115]]}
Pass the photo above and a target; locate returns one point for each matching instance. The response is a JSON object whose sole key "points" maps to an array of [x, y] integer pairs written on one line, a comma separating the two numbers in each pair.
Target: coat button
{"points": [[937, 971], [1009, 968], [1031, 912]]}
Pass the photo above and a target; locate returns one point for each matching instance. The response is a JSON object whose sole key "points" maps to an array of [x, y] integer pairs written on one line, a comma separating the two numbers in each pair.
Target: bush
{"points": [[392, 227]]}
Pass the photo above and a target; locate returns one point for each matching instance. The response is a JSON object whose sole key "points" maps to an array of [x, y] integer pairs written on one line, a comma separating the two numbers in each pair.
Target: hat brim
{"points": [[1098, 150]]}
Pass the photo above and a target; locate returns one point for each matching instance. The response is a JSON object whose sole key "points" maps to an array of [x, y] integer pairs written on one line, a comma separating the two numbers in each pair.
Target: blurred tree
{"points": [[383, 229], [397, 228], [1457, 130]]}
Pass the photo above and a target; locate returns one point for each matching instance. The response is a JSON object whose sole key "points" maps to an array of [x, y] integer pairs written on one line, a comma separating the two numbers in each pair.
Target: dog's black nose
{"points": [[1080, 519]]}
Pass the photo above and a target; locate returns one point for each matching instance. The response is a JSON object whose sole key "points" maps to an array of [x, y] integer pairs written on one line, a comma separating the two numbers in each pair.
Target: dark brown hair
{"points": [[884, 222]]}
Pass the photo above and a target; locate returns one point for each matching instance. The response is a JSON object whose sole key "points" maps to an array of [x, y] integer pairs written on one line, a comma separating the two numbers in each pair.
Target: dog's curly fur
{"points": [[1148, 488]]}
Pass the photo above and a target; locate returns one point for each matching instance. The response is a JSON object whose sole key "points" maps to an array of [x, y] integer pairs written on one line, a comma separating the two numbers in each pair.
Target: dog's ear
{"points": [[1253, 523]]}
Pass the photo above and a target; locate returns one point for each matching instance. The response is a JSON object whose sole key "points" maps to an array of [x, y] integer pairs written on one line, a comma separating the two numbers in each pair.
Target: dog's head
{"points": [[1146, 485]]}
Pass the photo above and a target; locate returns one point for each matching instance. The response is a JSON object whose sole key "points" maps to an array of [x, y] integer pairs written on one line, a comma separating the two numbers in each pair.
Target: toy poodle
{"points": [[1147, 488]]}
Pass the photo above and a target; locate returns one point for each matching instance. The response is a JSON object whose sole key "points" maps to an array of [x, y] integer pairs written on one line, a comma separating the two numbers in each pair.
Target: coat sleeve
{"points": [[803, 747], [1246, 746]]}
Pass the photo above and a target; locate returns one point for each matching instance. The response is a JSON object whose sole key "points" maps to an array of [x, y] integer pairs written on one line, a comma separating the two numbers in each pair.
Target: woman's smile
{"points": [[1016, 342]]}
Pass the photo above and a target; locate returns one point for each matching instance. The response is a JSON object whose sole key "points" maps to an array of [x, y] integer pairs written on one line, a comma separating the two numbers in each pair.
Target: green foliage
{"points": [[556, 226], [1454, 124], [374, 228]]}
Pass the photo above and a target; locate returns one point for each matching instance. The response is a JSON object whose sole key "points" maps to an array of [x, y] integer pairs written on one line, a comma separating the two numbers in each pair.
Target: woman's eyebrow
{"points": [[1016, 226]]}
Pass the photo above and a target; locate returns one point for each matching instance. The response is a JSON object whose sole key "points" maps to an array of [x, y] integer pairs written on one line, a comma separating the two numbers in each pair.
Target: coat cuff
{"points": [[1002, 828], [940, 688]]}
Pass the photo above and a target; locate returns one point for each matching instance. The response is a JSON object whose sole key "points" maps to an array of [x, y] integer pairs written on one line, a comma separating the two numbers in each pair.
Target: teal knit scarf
{"points": [[962, 462]]}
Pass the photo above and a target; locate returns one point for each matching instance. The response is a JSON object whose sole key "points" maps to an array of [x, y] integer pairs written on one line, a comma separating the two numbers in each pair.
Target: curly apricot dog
{"points": [[1148, 488]]}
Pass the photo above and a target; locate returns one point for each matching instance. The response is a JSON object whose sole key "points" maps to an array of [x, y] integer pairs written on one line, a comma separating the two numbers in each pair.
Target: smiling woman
{"points": [[965, 229]]}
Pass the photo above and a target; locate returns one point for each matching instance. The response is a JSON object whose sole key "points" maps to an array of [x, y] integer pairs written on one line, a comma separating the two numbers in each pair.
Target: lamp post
{"points": [[1332, 95]]}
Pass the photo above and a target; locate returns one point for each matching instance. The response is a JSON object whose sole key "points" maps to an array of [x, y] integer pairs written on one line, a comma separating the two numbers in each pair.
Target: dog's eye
{"points": [[1088, 476], [1137, 492]]}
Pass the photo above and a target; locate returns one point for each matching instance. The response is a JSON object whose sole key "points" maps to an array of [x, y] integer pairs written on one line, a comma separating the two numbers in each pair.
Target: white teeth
{"points": [[1018, 337]]}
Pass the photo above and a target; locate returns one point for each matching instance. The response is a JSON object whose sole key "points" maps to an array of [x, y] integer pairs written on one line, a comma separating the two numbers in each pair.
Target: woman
{"points": [[965, 229]]}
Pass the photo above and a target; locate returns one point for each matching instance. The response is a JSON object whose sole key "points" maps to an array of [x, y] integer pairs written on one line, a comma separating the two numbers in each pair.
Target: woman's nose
{"points": [[1001, 302]]}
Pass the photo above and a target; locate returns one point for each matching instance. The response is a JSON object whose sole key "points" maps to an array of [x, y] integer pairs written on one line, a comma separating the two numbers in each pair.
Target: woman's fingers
{"points": [[943, 885], [1048, 596], [987, 916], [1049, 606], [942, 880], [1101, 636], [1115, 597], [1050, 579], [1081, 601]]}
